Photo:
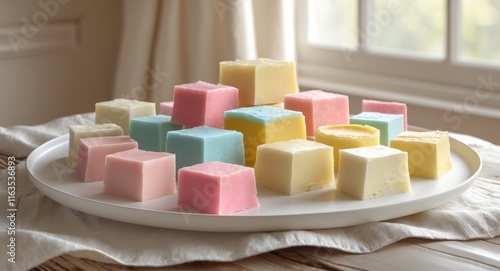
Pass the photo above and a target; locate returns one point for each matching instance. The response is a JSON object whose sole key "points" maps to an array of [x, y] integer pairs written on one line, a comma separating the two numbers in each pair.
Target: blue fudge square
{"points": [[150, 132], [389, 125], [204, 144]]}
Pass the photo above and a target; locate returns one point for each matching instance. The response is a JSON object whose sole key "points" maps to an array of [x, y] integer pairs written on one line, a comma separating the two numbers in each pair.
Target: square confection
{"points": [[372, 172], [93, 151], [203, 104], [389, 124], [261, 81], [217, 188], [204, 144], [346, 136], [386, 107], [151, 131], [166, 108], [264, 124], [120, 111], [76, 132], [294, 166], [428, 152], [319, 108], [140, 175]]}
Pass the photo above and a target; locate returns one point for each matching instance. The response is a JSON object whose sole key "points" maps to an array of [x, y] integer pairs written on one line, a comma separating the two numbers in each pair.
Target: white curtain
{"points": [[170, 42]]}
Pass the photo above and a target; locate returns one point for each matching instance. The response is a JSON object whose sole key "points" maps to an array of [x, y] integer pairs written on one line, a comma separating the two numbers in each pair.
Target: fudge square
{"points": [[140, 175], [203, 104], [264, 124], [150, 132], [260, 81], [120, 111], [217, 188], [389, 125], [320, 108], [372, 172], [204, 144], [166, 108], [76, 132], [428, 152], [386, 107], [294, 166], [93, 151]]}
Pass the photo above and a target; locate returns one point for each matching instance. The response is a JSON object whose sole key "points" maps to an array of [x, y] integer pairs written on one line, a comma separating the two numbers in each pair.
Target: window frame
{"points": [[437, 83]]}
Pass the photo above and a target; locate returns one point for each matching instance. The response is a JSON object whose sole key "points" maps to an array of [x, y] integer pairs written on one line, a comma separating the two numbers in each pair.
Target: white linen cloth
{"points": [[46, 229]]}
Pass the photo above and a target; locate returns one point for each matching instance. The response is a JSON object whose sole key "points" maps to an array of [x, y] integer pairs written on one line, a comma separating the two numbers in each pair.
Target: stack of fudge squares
{"points": [[215, 145]]}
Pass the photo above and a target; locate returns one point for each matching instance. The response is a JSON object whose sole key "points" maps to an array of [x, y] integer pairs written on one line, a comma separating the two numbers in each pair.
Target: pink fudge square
{"points": [[140, 175], [166, 108], [386, 107], [92, 152], [217, 188], [319, 108], [202, 103]]}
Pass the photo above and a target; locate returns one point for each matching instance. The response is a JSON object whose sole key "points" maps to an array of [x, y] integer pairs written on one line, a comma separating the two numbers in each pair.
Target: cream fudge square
{"points": [[120, 111], [320, 108], [428, 152], [93, 151], [373, 172], [77, 132], [203, 104], [217, 188], [294, 166], [260, 81], [140, 175], [264, 124]]}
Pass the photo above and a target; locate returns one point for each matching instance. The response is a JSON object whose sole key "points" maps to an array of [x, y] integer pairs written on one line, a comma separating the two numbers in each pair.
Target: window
{"points": [[428, 52]]}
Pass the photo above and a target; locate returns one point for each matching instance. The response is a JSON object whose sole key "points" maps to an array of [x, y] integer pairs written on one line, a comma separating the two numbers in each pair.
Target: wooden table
{"points": [[408, 254]]}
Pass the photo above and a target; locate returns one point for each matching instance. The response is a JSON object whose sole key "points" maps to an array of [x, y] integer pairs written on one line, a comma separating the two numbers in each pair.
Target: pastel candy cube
{"points": [[151, 131], [260, 81], [294, 166], [92, 153], [428, 152], [319, 108], [264, 124], [76, 132], [166, 108], [217, 188], [203, 104], [389, 124], [140, 175], [204, 144], [386, 107], [120, 111], [346, 136], [372, 172]]}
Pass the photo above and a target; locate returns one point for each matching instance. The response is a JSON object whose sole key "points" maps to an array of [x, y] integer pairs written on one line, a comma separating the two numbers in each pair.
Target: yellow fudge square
{"points": [[264, 124], [346, 136], [260, 81], [428, 152], [373, 172], [121, 111], [294, 166]]}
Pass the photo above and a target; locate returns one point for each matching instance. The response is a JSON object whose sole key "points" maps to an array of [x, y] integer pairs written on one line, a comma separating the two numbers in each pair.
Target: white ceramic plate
{"points": [[326, 208]]}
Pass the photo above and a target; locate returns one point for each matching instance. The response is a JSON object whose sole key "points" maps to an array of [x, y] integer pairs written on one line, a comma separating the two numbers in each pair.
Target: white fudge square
{"points": [[120, 111], [372, 172]]}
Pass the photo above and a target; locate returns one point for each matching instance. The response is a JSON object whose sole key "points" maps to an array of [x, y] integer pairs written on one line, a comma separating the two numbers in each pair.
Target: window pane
{"points": [[480, 31], [408, 27], [333, 22]]}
